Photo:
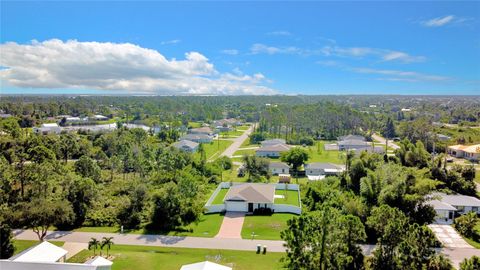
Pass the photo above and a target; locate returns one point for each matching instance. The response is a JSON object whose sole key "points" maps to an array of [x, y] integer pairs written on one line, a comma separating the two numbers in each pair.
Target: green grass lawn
{"points": [[21, 245], [235, 133], [194, 124], [290, 197], [214, 149], [220, 196], [245, 152], [265, 227], [147, 258], [208, 226], [471, 241], [318, 153]]}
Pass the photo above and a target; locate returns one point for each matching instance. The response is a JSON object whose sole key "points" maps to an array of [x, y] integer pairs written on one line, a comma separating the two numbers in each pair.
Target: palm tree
{"points": [[107, 241], [94, 243]]}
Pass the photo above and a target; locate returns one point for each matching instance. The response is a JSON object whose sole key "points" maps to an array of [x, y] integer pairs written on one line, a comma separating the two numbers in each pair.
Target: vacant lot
{"points": [[214, 149], [147, 258], [318, 153], [265, 227]]}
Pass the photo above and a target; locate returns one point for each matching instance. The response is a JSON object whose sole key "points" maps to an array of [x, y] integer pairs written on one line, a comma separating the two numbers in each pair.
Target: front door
{"points": [[250, 207]]}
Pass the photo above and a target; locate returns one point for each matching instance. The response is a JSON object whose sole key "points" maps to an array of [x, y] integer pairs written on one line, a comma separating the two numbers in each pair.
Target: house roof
{"points": [[274, 148], [273, 142], [251, 192], [457, 200], [186, 143], [353, 142], [50, 125], [322, 166], [351, 137], [207, 130], [438, 205], [192, 137], [278, 165], [43, 252], [100, 261], [475, 149], [206, 265]]}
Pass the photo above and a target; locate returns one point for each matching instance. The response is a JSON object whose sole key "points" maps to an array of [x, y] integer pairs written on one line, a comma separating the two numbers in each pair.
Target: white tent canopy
{"points": [[206, 265]]}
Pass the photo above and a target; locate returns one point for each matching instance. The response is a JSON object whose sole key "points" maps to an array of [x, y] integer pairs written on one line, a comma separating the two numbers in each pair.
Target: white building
{"points": [[277, 168], [470, 152], [317, 171], [187, 146], [248, 197], [47, 256], [48, 128], [273, 151], [446, 206], [206, 265]]}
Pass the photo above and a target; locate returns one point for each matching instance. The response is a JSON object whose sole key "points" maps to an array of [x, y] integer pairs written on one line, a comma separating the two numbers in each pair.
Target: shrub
{"points": [[466, 223], [263, 211]]}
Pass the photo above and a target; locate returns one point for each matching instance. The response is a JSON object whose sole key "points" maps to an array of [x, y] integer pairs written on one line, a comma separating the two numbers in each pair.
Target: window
{"points": [[475, 209]]}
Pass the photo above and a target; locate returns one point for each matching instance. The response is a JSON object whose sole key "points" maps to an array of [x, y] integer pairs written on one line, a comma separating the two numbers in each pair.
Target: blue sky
{"points": [[240, 47]]}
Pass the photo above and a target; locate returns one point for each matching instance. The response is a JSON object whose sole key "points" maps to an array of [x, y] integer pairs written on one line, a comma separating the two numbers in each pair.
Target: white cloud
{"points": [[112, 66], [230, 51], [359, 52], [262, 48], [439, 21], [169, 42], [279, 33], [398, 75], [402, 57]]}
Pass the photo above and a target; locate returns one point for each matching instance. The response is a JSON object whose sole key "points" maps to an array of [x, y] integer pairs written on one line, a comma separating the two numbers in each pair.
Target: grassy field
{"points": [[146, 258], [220, 196], [208, 226], [265, 227], [318, 153], [471, 135], [214, 149], [194, 124], [289, 197], [244, 152], [234, 133], [21, 245]]}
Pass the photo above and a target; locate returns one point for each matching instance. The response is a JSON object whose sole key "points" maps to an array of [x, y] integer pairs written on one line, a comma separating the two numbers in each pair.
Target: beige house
{"points": [[470, 152]]}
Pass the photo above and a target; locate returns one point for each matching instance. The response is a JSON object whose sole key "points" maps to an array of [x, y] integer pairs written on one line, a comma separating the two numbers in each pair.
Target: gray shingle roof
{"points": [[250, 192], [278, 165], [351, 137], [185, 143], [323, 166], [274, 148], [438, 205], [457, 200], [273, 142]]}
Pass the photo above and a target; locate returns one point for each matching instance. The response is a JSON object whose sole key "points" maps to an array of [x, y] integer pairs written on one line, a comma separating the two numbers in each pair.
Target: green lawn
{"points": [[214, 149], [318, 153], [290, 197], [235, 133], [194, 124], [208, 226], [471, 241], [265, 227], [146, 258], [21, 245], [244, 152], [220, 196]]}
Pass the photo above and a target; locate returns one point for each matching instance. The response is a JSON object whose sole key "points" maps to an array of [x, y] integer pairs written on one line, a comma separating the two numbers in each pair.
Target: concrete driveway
{"points": [[448, 236], [232, 225]]}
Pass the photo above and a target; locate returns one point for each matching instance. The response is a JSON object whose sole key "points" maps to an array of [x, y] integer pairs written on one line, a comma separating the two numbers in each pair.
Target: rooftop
{"points": [[351, 137], [274, 148], [185, 143], [43, 252], [322, 166], [206, 265], [279, 165], [251, 192], [466, 148], [457, 200]]}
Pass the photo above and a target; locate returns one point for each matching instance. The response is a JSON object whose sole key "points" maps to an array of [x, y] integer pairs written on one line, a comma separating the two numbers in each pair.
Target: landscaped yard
{"points": [[265, 227], [214, 149], [147, 258], [220, 196], [318, 153], [208, 226], [289, 197], [21, 245], [471, 241]]}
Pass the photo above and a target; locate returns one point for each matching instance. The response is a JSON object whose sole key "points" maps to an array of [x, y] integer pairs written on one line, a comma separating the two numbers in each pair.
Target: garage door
{"points": [[236, 206]]}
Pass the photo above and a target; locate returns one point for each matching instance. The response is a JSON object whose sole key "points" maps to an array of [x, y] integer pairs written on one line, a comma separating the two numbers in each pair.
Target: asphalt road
{"points": [[237, 142], [383, 140]]}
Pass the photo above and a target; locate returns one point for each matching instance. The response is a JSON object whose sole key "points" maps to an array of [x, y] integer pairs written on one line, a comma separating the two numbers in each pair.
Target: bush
{"points": [[470, 264], [466, 223], [263, 211]]}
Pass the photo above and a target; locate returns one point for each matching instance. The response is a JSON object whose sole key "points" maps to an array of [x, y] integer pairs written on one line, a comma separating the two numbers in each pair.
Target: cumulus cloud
{"points": [[112, 66]]}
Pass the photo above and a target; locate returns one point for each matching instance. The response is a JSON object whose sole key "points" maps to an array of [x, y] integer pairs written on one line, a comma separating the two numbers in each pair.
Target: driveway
{"points": [[382, 140], [237, 142], [232, 225], [448, 236]]}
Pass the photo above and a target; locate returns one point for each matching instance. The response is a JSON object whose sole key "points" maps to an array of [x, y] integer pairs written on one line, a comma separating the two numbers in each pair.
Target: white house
{"points": [[186, 145], [249, 196], [446, 206], [277, 168], [273, 151], [351, 137], [203, 130], [272, 142], [46, 256], [99, 117], [48, 128], [317, 171], [470, 152], [198, 138], [206, 265]]}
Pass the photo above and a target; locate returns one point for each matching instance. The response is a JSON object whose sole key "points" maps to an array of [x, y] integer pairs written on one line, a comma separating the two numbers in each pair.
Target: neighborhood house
{"points": [[273, 151], [203, 130], [317, 171], [248, 197], [277, 168], [186, 145], [206, 265], [48, 128], [47, 256], [272, 142], [198, 138], [446, 206], [470, 152]]}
